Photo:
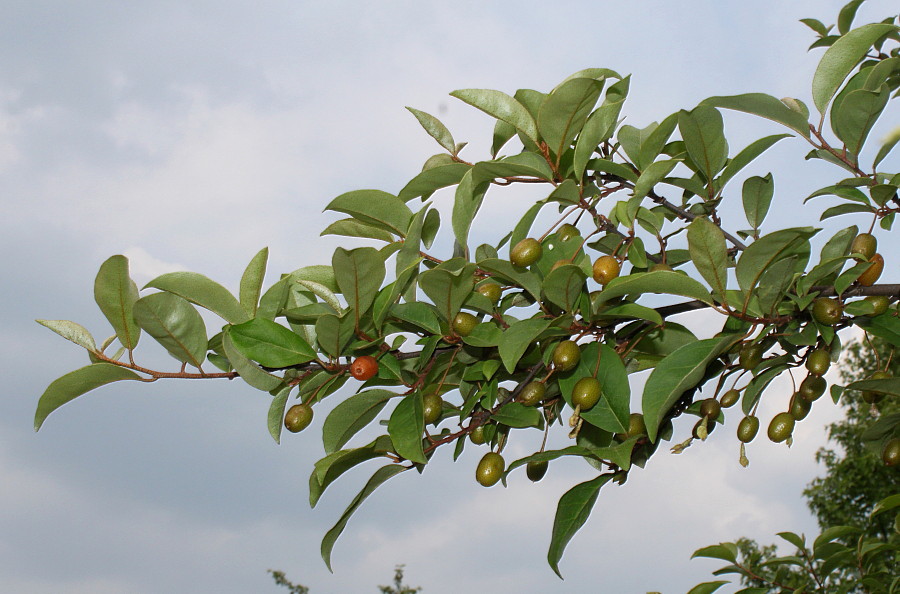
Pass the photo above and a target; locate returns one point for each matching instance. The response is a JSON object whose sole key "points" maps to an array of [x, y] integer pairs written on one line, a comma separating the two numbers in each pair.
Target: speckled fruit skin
{"points": [[586, 393], [747, 429], [532, 394], [711, 408], [490, 469], [568, 231], [364, 368], [827, 311], [298, 418], [781, 427], [865, 244], [818, 362], [730, 398], [880, 303], [873, 272], [491, 290], [526, 252], [464, 323], [566, 355], [433, 405], [890, 455], [750, 356], [605, 269], [812, 387], [536, 469], [477, 435]]}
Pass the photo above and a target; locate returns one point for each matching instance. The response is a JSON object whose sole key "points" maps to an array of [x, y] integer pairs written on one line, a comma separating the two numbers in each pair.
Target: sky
{"points": [[189, 135]]}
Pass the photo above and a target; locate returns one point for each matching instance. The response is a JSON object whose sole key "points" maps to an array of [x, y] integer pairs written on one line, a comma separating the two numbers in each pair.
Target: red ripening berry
{"points": [[364, 368]]}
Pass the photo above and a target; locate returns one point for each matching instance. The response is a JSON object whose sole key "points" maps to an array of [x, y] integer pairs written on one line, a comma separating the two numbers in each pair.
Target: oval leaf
{"points": [[75, 383], [115, 294], [202, 291], [350, 416], [572, 512], [175, 324], [270, 344]]}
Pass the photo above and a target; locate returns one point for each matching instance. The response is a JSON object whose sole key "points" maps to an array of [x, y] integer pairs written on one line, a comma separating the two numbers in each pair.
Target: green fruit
{"points": [[660, 266], [710, 408], [491, 290], [710, 427], [476, 436], [605, 269], [879, 303], [747, 429], [586, 393], [636, 425], [751, 356], [729, 398], [827, 311], [781, 427], [800, 407], [890, 454], [464, 323], [566, 355], [526, 252], [812, 387], [298, 417], [864, 244], [532, 393], [490, 469], [433, 405], [872, 397], [873, 272], [818, 362], [536, 469], [567, 232]]}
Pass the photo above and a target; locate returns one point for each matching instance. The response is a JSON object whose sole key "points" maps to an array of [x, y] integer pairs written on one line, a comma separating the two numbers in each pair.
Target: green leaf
{"points": [[564, 112], [381, 476], [794, 539], [890, 142], [351, 416], [332, 466], [431, 180], [767, 250], [564, 286], [467, 200], [517, 338], [516, 414], [599, 127], [652, 175], [764, 106], [706, 244], [71, 331], [853, 118], [726, 551], [252, 280], [707, 587], [75, 383], [275, 418], [448, 288], [757, 195], [774, 283], [677, 373], [333, 333], [202, 291], [572, 512], [885, 326], [406, 426], [376, 208], [659, 281], [816, 25], [356, 228], [845, 17], [435, 129], [270, 344], [612, 412], [175, 324], [115, 294], [502, 107], [359, 274], [840, 59], [886, 504], [421, 315], [890, 386], [247, 369], [747, 155], [703, 132]]}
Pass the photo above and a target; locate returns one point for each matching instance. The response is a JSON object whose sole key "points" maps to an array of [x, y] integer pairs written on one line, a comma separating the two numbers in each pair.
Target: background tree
{"points": [[494, 346], [855, 482]]}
